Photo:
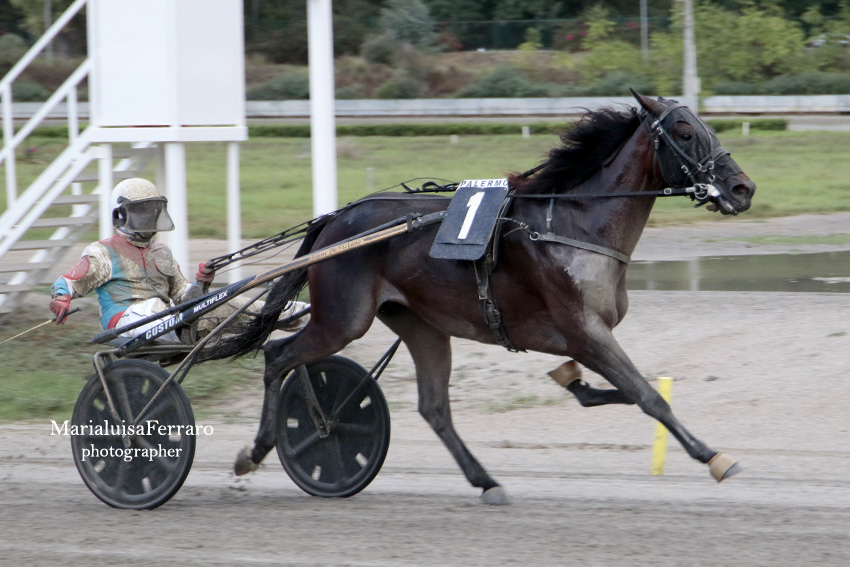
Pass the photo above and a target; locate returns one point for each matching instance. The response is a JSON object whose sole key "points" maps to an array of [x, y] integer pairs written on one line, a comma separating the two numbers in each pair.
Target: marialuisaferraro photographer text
{"points": [[125, 431]]}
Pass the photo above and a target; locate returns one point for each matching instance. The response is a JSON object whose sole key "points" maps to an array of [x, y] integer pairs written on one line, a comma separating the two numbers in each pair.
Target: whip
{"points": [[37, 326]]}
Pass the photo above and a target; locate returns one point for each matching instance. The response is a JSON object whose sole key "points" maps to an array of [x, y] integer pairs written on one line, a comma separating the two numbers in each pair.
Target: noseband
{"points": [[682, 171]]}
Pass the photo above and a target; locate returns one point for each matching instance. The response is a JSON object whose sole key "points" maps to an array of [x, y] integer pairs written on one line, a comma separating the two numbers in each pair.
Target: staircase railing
{"points": [[10, 140], [17, 206]]}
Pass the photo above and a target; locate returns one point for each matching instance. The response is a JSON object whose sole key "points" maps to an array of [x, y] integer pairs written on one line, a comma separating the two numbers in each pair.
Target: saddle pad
{"points": [[468, 226]]}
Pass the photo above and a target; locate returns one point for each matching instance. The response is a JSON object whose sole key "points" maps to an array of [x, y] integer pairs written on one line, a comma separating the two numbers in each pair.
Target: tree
{"points": [[458, 10], [11, 19], [751, 44], [71, 41], [408, 21], [527, 9]]}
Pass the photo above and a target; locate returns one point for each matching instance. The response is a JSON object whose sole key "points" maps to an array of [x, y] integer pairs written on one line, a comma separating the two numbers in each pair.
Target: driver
{"points": [[133, 275]]}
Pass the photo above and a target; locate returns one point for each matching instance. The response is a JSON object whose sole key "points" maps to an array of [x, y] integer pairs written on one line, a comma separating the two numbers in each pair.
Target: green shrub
{"points": [[731, 124], [29, 91], [292, 86], [350, 92], [733, 88], [279, 131], [12, 48], [400, 86], [504, 82], [617, 83], [53, 131], [566, 91], [380, 49], [402, 130], [809, 82]]}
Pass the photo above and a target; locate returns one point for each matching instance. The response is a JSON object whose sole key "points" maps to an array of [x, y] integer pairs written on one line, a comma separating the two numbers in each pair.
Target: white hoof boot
{"points": [[244, 464], [496, 496]]}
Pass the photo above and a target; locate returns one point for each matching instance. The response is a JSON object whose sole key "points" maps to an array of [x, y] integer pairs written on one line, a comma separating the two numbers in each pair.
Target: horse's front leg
{"points": [[568, 375], [602, 354]]}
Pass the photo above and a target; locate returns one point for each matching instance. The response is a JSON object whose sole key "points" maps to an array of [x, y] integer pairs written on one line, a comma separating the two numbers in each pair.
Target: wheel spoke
{"points": [[339, 398], [357, 429], [340, 461], [311, 440], [121, 477], [164, 462], [161, 404], [124, 402]]}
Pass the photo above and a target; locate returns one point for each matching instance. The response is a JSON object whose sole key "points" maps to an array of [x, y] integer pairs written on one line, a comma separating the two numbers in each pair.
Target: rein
{"points": [[667, 192], [700, 192]]}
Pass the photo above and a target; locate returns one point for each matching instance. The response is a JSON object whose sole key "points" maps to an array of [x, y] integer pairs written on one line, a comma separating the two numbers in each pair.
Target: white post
{"points": [[234, 211], [73, 132], [322, 119], [8, 135], [104, 175], [48, 21], [644, 32], [175, 192], [690, 78]]}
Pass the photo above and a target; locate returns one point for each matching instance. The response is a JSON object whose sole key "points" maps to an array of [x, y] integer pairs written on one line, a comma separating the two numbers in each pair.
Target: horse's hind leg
{"points": [[431, 353], [281, 356]]}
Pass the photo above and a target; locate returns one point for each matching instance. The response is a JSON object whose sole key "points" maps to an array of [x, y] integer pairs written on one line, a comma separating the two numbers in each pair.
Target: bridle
{"points": [[678, 169]]}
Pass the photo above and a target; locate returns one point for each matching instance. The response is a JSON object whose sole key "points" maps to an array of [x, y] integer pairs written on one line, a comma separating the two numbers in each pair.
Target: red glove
{"points": [[60, 305], [204, 275]]}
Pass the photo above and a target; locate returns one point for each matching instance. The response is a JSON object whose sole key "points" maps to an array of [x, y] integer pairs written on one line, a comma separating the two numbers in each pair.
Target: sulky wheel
{"points": [[337, 456], [146, 467]]}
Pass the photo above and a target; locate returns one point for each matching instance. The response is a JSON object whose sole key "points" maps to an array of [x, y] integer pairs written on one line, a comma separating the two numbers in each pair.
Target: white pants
{"points": [[141, 310]]}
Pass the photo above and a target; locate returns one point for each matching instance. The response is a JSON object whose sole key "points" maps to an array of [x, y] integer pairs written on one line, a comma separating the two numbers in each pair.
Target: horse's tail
{"points": [[252, 331]]}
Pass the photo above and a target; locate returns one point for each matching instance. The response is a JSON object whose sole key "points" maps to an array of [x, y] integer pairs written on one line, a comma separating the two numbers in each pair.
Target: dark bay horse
{"points": [[560, 296]]}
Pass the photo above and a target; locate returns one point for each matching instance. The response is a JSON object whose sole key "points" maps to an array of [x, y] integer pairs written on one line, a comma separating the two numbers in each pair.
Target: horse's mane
{"points": [[584, 148]]}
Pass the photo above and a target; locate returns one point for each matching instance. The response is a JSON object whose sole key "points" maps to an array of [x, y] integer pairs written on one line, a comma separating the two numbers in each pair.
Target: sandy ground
{"points": [[763, 376]]}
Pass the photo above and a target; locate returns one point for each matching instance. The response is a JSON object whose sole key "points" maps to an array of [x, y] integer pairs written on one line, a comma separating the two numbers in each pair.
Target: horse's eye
{"points": [[687, 137]]}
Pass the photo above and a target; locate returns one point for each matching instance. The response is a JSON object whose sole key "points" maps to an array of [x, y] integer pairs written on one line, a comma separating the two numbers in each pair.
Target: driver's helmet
{"points": [[138, 208]]}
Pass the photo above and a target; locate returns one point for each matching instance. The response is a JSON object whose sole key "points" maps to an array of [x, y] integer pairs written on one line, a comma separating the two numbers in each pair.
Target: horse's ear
{"points": [[653, 107]]}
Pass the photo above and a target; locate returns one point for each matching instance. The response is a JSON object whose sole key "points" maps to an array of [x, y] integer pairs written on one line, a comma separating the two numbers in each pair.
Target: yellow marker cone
{"points": [[659, 449]]}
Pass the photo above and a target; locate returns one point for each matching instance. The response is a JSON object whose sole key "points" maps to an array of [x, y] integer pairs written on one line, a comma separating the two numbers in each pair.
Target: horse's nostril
{"points": [[742, 190]]}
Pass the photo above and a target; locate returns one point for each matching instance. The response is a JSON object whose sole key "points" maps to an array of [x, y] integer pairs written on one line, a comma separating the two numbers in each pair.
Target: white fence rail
{"points": [[798, 104]]}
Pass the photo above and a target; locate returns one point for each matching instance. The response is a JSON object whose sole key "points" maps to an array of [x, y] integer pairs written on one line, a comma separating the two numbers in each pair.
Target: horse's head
{"points": [[689, 155]]}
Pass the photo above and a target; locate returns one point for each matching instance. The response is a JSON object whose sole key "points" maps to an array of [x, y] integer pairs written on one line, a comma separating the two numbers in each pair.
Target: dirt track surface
{"points": [[762, 376]]}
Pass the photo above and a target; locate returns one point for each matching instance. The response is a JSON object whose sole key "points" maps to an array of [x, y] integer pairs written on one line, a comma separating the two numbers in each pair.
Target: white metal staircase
{"points": [[39, 225]]}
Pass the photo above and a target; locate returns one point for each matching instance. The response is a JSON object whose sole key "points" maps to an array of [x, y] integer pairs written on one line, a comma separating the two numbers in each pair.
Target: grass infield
{"points": [[796, 172]]}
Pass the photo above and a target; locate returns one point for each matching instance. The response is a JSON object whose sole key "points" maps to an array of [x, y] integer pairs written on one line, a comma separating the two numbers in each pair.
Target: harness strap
{"points": [[483, 268], [551, 237], [489, 307]]}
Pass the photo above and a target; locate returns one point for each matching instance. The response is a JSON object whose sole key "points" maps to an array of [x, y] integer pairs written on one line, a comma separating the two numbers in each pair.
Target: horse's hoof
{"points": [[722, 466], [244, 464], [496, 496]]}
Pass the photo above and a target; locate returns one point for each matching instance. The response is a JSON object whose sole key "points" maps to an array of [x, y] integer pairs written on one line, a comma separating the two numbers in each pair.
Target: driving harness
{"points": [[700, 174]]}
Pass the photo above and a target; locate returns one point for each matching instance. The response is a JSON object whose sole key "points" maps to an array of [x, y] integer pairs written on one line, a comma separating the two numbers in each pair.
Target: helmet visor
{"points": [[148, 216]]}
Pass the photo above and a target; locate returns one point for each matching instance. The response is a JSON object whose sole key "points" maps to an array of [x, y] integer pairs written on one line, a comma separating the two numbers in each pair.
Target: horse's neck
{"points": [[618, 222]]}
